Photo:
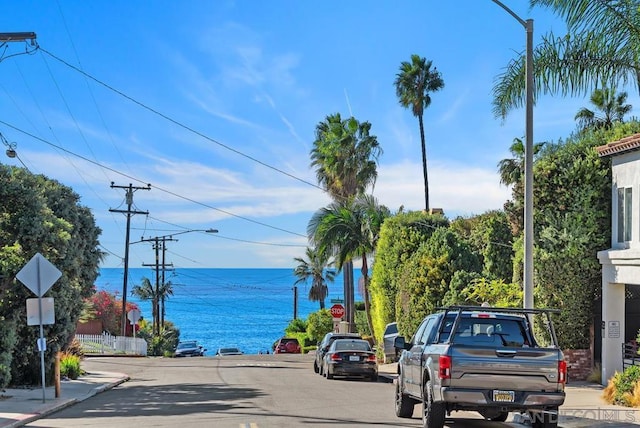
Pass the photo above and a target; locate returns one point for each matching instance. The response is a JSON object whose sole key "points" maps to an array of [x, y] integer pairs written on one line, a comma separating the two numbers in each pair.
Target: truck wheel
{"points": [[432, 413], [501, 417], [404, 404]]}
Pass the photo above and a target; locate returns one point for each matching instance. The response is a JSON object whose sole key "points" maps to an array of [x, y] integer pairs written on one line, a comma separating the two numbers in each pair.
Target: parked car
{"points": [[228, 351], [350, 357], [325, 343], [287, 345], [389, 336], [189, 348]]}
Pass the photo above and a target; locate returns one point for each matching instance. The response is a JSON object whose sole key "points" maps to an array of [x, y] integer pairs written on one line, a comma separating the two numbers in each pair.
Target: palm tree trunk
{"points": [[424, 164], [365, 289]]}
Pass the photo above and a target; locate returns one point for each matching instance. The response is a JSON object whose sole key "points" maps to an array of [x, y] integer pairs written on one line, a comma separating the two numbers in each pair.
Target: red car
{"points": [[287, 345]]}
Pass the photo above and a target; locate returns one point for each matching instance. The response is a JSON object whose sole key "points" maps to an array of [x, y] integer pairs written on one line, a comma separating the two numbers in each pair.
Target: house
{"points": [[621, 262]]}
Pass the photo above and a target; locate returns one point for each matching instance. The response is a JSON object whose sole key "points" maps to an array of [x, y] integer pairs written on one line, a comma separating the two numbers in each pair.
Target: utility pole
{"points": [[164, 250], [129, 198], [295, 302], [157, 267]]}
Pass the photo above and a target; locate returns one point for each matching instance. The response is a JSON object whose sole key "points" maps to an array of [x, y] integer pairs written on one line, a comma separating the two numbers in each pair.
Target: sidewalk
{"points": [[19, 407], [584, 406]]}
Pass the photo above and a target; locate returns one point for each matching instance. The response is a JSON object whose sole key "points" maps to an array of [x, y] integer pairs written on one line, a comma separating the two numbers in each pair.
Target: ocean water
{"points": [[246, 308]]}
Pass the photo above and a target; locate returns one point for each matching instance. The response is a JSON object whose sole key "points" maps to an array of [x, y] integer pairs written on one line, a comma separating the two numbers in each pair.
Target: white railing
{"points": [[107, 344]]}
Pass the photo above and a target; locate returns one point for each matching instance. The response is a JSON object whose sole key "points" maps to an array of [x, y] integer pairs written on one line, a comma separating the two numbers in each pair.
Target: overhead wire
{"points": [[138, 180]]}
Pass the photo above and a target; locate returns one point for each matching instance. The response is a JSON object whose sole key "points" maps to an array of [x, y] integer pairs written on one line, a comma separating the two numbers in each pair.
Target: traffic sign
{"points": [[38, 275], [133, 316], [337, 311]]}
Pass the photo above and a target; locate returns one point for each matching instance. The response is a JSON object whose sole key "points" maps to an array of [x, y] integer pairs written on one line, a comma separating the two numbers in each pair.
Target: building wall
{"points": [[625, 171]]}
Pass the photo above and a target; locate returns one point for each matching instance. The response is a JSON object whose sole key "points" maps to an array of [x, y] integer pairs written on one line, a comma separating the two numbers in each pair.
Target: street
{"points": [[255, 391]]}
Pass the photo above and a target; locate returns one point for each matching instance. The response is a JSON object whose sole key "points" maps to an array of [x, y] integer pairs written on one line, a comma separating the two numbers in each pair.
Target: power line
{"points": [[176, 122]]}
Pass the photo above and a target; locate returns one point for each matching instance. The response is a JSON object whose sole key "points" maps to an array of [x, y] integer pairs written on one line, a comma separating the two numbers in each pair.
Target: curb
{"points": [[56, 407]]}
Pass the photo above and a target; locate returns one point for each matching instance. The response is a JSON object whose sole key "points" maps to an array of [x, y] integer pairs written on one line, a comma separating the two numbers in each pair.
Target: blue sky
{"points": [[215, 103]]}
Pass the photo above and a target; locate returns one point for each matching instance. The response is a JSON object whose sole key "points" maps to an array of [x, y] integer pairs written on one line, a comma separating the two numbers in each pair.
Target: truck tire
{"points": [[404, 404], [432, 413]]}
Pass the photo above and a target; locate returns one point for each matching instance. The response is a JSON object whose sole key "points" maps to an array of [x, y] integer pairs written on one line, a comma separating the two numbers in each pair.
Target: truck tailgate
{"points": [[532, 369]]}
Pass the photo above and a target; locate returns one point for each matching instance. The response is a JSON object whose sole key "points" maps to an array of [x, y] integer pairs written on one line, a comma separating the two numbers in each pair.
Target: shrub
{"points": [[622, 388], [70, 365]]}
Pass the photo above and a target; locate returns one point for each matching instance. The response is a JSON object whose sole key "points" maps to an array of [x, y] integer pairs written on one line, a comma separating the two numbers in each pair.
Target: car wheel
{"points": [[316, 369], [374, 377], [432, 413], [404, 405], [329, 374]]}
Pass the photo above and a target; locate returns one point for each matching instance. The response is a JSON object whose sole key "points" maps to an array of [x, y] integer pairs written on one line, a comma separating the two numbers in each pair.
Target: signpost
{"points": [[39, 275]]}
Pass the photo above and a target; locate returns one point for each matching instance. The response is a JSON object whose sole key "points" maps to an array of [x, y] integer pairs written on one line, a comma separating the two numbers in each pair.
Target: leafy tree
{"points": [[146, 291], [39, 215], [350, 230], [490, 236], [599, 50], [414, 84], [319, 323], [427, 277], [496, 292], [314, 268], [611, 105], [296, 326], [344, 156], [400, 237]]}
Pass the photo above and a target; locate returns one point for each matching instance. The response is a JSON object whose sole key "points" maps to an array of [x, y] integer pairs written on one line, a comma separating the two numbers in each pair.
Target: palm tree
{"points": [[512, 170], [345, 155], [414, 84], [600, 49], [166, 290], [611, 105], [350, 230], [314, 268], [146, 291]]}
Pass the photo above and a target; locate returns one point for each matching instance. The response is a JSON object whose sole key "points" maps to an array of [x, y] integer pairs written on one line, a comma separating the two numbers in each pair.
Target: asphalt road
{"points": [[249, 391]]}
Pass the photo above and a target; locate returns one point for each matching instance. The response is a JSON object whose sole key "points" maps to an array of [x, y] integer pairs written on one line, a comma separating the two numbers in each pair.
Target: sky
{"points": [[214, 104]]}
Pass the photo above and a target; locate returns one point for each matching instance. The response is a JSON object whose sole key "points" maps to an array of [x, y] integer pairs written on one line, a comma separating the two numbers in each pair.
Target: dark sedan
{"points": [[350, 358], [324, 345], [189, 348]]}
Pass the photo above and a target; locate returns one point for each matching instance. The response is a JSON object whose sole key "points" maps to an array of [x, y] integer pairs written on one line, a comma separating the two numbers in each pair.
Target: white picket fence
{"points": [[107, 344]]}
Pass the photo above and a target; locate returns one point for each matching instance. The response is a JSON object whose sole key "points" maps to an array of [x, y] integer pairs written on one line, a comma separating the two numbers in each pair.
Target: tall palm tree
{"points": [[350, 229], [345, 155], [600, 49], [612, 107], [314, 268], [414, 84]]}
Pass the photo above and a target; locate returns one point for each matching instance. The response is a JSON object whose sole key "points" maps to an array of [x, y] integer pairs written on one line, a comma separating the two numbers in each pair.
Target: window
{"points": [[624, 214]]}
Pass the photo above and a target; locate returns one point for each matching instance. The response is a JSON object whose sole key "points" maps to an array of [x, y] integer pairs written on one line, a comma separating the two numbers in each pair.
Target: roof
{"points": [[624, 145]]}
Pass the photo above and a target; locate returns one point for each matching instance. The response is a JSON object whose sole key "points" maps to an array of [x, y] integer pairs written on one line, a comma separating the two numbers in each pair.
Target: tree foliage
{"points": [[319, 323], [400, 236], [39, 215]]}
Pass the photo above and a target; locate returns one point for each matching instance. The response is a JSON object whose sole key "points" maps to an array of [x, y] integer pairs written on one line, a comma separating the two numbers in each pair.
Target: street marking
{"points": [[255, 365], [249, 425]]}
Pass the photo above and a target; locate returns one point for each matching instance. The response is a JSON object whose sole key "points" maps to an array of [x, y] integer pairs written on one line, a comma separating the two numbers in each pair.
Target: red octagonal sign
{"points": [[337, 311]]}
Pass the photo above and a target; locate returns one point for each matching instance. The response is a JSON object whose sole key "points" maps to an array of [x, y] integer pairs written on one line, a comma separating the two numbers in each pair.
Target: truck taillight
{"points": [[562, 371], [445, 367]]}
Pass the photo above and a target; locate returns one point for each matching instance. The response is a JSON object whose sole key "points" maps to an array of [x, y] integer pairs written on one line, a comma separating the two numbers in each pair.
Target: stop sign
{"points": [[337, 311]]}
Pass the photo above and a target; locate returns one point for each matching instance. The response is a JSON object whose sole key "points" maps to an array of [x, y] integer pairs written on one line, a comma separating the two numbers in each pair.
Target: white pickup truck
{"points": [[482, 359]]}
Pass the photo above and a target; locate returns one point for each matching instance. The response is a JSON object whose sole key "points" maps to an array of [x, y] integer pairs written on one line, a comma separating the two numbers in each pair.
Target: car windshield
{"points": [[185, 345]]}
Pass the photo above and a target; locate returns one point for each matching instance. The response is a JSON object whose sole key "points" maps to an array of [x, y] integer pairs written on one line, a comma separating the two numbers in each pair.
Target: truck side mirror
{"points": [[399, 343]]}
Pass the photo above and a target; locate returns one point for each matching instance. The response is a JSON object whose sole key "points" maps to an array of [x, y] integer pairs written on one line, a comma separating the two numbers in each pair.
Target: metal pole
{"points": [[528, 162], [528, 174], [42, 343]]}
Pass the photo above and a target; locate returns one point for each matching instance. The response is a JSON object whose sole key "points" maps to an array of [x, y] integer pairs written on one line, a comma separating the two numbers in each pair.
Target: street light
{"points": [[528, 162]]}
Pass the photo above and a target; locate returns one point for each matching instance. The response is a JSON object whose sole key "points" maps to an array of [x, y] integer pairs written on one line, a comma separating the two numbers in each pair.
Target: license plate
{"points": [[503, 396], [354, 358]]}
